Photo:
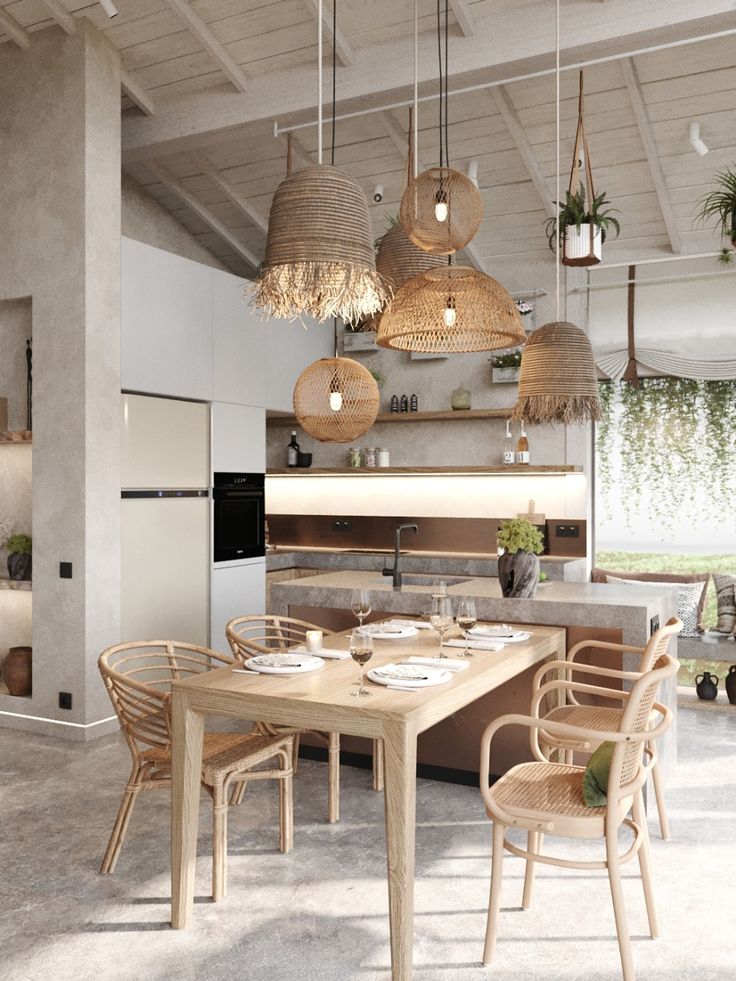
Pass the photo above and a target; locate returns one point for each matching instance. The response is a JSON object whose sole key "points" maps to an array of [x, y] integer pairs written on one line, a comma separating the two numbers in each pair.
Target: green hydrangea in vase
{"points": [[518, 564]]}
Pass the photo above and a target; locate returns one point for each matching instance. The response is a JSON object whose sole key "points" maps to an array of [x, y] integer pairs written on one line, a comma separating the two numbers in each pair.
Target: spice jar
{"points": [[369, 456], [354, 457], [384, 459]]}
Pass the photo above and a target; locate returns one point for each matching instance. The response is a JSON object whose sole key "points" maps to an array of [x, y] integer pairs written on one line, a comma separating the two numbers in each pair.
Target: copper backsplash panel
{"points": [[467, 535]]}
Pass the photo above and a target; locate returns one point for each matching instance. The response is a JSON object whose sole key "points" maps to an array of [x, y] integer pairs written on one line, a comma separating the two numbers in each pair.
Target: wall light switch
{"points": [[65, 570]]}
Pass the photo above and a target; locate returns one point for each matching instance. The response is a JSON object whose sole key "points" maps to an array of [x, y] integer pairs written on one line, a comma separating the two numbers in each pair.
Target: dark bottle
{"points": [[394, 403], [413, 404], [292, 450], [731, 684], [404, 403], [706, 685]]}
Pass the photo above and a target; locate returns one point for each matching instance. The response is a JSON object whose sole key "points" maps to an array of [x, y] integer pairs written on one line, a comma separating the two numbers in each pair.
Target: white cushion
{"points": [[688, 598]]}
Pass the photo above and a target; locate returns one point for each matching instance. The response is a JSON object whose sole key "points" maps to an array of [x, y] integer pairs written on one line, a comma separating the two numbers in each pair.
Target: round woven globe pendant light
{"points": [[398, 259], [336, 400], [455, 309], [441, 210]]}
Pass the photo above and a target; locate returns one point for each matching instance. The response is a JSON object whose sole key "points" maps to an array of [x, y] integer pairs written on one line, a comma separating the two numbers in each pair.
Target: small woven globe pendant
{"points": [[319, 257], [441, 210], [336, 400], [453, 309], [398, 259], [558, 380]]}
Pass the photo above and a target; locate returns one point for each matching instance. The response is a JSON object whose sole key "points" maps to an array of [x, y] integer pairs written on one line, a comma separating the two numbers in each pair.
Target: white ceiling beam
{"points": [[633, 85], [15, 31], [463, 16], [209, 169], [218, 227], [510, 117], [136, 93], [299, 153], [343, 48], [61, 15], [204, 35]]}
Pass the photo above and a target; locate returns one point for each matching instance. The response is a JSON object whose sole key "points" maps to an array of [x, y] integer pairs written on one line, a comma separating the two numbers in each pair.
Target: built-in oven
{"points": [[239, 518]]}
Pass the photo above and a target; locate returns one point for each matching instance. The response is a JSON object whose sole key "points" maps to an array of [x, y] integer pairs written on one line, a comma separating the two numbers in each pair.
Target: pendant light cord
{"points": [[415, 164], [447, 79], [440, 103], [334, 76], [557, 156], [319, 82]]}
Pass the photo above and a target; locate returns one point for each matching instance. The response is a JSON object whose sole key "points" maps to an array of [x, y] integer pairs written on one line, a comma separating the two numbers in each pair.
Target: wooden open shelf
{"points": [[450, 415], [17, 436], [521, 469]]}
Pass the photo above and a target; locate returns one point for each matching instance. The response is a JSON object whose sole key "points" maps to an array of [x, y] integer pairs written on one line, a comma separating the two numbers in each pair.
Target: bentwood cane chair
{"points": [[546, 798], [599, 716], [264, 634], [138, 677]]}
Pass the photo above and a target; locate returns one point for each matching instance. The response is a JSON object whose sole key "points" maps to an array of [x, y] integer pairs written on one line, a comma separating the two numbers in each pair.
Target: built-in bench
{"points": [[710, 647]]}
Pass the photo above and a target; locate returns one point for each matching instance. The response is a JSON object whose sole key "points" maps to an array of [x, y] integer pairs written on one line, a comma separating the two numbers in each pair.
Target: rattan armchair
{"points": [[546, 798], [598, 716], [138, 677], [261, 634]]}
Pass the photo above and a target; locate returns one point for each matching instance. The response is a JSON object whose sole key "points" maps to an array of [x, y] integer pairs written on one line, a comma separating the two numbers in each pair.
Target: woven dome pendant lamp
{"points": [[441, 209], [319, 256], [455, 309], [336, 400], [557, 381]]}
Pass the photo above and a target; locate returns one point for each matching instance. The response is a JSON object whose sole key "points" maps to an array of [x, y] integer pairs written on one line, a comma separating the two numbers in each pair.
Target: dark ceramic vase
{"points": [[17, 670], [706, 685], [19, 565], [518, 574], [731, 684]]}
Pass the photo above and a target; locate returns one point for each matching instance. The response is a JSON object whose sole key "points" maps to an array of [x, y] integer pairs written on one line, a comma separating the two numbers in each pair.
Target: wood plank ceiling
{"points": [[220, 187]]}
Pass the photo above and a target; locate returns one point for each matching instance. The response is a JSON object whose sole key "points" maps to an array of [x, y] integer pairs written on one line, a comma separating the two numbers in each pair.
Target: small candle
{"points": [[314, 641]]}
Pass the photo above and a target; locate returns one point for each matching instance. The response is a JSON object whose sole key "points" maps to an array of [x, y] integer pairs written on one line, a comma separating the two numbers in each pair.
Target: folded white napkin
{"points": [[323, 652], [449, 663], [419, 624], [476, 645]]}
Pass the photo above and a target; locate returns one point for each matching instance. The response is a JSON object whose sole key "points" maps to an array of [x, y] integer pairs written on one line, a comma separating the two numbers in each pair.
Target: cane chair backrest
{"points": [[263, 634], [658, 643], [138, 677]]}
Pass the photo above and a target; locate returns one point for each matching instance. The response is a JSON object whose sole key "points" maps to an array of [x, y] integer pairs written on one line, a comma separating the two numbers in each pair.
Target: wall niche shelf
{"points": [[449, 415], [25, 585], [491, 471], [16, 436]]}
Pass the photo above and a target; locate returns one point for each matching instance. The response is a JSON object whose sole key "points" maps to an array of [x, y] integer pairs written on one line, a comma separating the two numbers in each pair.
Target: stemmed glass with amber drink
{"points": [[361, 651]]}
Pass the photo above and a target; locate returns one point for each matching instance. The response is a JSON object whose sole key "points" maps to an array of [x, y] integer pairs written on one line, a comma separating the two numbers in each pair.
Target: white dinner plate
{"points": [[493, 632], [284, 663], [409, 675], [387, 631]]}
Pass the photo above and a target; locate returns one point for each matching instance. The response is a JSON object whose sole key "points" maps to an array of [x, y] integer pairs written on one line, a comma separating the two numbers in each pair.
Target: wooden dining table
{"points": [[322, 700]]}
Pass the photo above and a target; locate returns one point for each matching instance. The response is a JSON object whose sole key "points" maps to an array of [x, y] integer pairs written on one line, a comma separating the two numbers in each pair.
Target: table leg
{"points": [[400, 756], [187, 736]]}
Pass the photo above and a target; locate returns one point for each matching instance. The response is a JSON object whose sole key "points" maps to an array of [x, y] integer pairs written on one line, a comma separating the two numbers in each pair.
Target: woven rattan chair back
{"points": [[263, 634], [659, 643]]}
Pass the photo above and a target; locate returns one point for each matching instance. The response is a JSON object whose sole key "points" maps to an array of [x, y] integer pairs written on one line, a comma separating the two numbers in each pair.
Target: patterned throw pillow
{"points": [[726, 599], [688, 597]]}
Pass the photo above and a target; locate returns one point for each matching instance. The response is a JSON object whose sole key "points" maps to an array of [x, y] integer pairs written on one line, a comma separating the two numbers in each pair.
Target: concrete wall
{"points": [[60, 205], [145, 220]]}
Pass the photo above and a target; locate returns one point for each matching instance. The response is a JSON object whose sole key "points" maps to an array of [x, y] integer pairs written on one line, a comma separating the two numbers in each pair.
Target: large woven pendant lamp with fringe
{"points": [[441, 209], [557, 381], [319, 257]]}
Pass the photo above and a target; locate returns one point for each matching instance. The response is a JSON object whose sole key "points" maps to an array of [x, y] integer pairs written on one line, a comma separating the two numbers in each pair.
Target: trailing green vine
{"points": [[658, 442]]}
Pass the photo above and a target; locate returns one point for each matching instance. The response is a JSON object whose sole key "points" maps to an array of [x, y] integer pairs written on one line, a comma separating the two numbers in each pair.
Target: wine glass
{"points": [[441, 617], [466, 620], [360, 604], [361, 651]]}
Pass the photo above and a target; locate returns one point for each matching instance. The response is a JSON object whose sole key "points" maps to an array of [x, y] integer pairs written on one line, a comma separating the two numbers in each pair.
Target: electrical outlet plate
{"points": [[567, 531], [654, 624], [65, 700], [342, 524]]}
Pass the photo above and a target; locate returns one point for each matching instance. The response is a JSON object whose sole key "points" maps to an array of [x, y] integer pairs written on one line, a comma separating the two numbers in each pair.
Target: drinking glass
{"points": [[361, 651], [360, 604], [466, 620], [441, 617]]}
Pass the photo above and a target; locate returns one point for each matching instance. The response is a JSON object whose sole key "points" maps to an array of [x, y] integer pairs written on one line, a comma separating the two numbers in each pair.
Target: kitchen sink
{"points": [[427, 579]]}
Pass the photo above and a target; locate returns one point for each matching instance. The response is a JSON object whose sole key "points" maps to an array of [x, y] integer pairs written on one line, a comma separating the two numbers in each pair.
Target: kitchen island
{"points": [[587, 611]]}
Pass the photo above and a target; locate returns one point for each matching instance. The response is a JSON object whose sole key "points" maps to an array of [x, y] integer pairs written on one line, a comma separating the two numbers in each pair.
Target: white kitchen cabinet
{"points": [[239, 344], [290, 348], [166, 323], [238, 438], [236, 591], [165, 443]]}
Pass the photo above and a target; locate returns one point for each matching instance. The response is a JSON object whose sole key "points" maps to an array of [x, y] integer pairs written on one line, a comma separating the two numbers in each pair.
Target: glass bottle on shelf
{"points": [[292, 450], [522, 447], [404, 403], [509, 455]]}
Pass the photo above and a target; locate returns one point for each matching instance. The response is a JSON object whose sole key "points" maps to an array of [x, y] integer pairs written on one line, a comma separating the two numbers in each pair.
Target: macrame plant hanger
{"points": [[581, 175], [631, 375]]}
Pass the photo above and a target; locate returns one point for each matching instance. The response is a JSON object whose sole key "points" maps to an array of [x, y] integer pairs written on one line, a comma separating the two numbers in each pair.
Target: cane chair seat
{"points": [[222, 753]]}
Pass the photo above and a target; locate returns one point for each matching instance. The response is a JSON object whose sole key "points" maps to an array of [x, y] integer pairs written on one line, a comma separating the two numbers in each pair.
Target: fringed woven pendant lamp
{"points": [[441, 209], [319, 258], [454, 309], [557, 381]]}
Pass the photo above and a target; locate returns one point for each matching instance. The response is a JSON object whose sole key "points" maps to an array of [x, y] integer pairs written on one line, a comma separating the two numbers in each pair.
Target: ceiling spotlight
{"points": [[695, 142], [473, 171], [109, 7]]}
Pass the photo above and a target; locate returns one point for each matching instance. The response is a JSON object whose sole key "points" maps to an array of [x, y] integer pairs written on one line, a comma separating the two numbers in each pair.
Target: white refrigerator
{"points": [[165, 519]]}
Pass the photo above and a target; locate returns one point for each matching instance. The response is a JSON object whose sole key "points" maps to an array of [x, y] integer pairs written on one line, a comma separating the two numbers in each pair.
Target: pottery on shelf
{"points": [[460, 398], [706, 685], [731, 684], [518, 574], [20, 565], [17, 670]]}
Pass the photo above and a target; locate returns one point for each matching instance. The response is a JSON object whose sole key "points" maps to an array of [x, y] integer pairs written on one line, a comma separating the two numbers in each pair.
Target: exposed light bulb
{"points": [[335, 401], [450, 316], [440, 211]]}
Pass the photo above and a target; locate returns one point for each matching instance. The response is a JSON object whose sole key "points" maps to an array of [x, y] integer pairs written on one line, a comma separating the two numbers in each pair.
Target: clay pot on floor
{"points": [[17, 670], [731, 684], [518, 574]]}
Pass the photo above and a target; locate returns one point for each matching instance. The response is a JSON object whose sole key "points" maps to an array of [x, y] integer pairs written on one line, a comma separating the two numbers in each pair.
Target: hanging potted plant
{"points": [[19, 556], [720, 203], [518, 565], [506, 367], [582, 230]]}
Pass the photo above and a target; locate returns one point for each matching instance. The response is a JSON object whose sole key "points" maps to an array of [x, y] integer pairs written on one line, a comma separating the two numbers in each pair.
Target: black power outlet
{"points": [[654, 624], [342, 524], [567, 531], [65, 700], [65, 570]]}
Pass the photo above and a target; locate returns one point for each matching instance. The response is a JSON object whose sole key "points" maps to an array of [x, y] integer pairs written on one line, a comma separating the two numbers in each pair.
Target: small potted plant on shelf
{"points": [[19, 556], [518, 564], [506, 367], [720, 203], [582, 229]]}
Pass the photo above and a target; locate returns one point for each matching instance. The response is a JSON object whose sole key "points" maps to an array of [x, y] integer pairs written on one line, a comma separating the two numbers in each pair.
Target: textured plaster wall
{"points": [[15, 327], [144, 220], [60, 204]]}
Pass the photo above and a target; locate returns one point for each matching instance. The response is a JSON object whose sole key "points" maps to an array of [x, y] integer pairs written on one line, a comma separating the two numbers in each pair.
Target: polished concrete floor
{"points": [[319, 914]]}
